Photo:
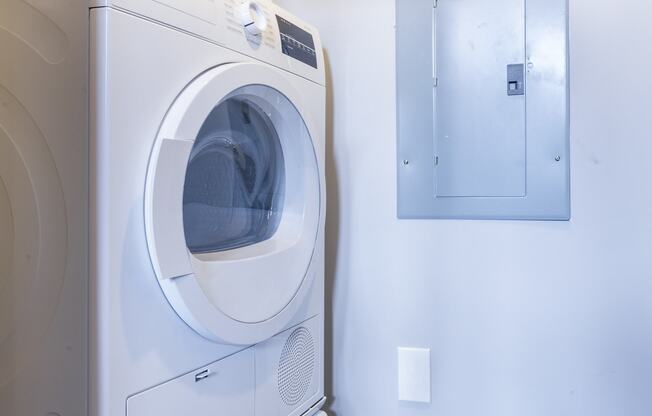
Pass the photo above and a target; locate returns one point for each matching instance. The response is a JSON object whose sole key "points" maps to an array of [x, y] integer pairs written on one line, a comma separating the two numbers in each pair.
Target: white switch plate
{"points": [[414, 374]]}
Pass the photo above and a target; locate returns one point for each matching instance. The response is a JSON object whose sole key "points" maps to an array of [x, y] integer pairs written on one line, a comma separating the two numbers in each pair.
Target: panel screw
{"points": [[558, 158], [406, 162]]}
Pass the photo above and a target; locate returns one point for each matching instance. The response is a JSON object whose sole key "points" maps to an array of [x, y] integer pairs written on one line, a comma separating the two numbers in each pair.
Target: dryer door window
{"points": [[235, 181]]}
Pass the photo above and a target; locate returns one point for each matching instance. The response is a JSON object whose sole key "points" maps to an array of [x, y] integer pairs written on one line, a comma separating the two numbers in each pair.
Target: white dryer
{"points": [[205, 218]]}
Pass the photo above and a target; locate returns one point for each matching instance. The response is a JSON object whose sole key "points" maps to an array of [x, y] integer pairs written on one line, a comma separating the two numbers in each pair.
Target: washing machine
{"points": [[162, 205]]}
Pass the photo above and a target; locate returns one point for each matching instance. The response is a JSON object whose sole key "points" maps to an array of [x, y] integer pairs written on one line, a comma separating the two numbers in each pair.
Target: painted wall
{"points": [[524, 319]]}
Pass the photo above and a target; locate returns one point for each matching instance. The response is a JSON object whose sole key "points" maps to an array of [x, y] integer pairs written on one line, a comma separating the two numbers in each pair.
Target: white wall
{"points": [[524, 319]]}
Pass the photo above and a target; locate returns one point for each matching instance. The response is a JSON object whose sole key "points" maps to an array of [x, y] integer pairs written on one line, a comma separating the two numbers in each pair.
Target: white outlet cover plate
{"points": [[414, 374]]}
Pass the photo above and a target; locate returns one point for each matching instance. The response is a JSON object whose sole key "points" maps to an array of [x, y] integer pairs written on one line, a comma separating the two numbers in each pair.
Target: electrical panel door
{"points": [[479, 125]]}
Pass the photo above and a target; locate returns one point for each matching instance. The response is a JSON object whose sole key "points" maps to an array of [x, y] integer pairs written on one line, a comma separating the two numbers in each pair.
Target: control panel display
{"points": [[297, 43]]}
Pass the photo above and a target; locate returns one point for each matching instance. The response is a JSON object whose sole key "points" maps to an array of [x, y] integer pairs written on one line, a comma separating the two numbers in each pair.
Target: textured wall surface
{"points": [[524, 319], [43, 207]]}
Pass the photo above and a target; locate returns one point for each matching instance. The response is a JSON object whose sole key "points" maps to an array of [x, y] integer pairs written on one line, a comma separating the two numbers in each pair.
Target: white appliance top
{"points": [[257, 28]]}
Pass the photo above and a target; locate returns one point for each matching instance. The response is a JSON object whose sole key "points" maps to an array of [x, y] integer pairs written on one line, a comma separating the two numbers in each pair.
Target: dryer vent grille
{"points": [[296, 366]]}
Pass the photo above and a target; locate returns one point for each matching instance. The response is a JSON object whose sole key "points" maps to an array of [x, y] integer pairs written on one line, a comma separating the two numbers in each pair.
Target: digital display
{"points": [[297, 43]]}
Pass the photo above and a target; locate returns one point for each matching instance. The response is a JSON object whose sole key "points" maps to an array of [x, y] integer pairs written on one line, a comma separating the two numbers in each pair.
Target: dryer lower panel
{"points": [[289, 370], [225, 387]]}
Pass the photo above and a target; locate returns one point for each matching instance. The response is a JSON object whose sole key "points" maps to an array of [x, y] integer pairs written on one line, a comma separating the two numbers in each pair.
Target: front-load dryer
{"points": [[180, 219]]}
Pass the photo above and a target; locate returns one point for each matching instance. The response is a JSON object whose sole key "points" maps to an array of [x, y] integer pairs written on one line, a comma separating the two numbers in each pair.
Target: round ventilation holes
{"points": [[296, 366]]}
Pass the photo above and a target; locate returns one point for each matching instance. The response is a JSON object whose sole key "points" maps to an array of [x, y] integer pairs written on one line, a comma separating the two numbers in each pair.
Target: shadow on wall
{"points": [[332, 237]]}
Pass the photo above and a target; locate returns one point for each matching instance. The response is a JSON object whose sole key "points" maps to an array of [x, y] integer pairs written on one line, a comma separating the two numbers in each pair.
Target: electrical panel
{"points": [[483, 114]]}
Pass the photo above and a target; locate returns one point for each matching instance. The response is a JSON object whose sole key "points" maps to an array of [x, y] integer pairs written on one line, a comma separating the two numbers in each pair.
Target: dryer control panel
{"points": [[265, 31], [296, 42], [258, 28]]}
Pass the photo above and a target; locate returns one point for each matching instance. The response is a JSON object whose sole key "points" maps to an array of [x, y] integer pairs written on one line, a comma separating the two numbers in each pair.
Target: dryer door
{"points": [[233, 203]]}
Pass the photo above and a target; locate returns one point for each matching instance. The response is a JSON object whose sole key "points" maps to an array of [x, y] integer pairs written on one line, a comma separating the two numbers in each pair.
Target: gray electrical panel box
{"points": [[483, 114]]}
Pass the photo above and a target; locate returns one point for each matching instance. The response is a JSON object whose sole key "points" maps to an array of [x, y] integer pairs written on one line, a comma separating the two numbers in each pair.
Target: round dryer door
{"points": [[233, 203]]}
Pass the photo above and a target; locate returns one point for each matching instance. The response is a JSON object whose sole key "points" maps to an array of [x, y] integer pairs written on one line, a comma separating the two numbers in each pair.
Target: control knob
{"points": [[253, 18]]}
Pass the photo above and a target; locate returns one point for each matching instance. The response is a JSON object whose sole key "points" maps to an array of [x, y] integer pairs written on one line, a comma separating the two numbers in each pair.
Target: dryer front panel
{"points": [[233, 203]]}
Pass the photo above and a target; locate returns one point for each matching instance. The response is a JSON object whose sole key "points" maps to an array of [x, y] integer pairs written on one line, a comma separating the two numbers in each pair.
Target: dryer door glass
{"points": [[235, 180]]}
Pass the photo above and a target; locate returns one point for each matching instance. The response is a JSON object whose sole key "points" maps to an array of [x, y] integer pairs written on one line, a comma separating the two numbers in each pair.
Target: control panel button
{"points": [[253, 17]]}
